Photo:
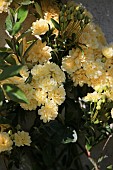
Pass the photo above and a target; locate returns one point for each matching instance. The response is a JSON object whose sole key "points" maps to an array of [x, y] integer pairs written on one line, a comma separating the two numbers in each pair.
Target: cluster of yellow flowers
{"points": [[86, 66], [20, 139], [4, 5], [45, 90], [46, 87], [93, 64], [50, 10]]}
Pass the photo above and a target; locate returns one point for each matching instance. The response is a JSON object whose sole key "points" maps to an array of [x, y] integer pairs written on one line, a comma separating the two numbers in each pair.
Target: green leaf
{"points": [[88, 146], [2, 64], [22, 13], [38, 9], [16, 28], [110, 167], [9, 24], [24, 34], [9, 59], [2, 97], [21, 48], [15, 93], [4, 49], [68, 140], [24, 2], [9, 43], [29, 48], [56, 24], [10, 71], [29, 79], [3, 54]]}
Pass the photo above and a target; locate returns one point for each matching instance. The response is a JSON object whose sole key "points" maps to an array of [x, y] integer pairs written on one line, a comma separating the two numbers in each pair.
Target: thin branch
{"points": [[87, 153]]}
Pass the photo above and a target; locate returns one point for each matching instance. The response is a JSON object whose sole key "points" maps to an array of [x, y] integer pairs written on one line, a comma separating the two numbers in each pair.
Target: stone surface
{"points": [[102, 10]]}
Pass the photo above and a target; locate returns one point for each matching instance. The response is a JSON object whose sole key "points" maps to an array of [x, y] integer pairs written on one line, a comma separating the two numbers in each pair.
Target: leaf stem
{"points": [[14, 48]]}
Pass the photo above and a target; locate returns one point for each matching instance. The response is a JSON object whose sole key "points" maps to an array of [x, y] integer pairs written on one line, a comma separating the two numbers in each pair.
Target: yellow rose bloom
{"points": [[22, 138], [48, 70], [40, 53], [50, 10], [39, 71], [93, 97], [4, 5], [47, 84], [5, 142], [107, 51], [39, 27], [57, 95], [55, 72], [48, 112], [40, 96]]}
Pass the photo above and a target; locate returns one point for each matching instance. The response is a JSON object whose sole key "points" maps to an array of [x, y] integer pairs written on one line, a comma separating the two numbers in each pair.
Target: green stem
{"points": [[87, 153], [14, 48]]}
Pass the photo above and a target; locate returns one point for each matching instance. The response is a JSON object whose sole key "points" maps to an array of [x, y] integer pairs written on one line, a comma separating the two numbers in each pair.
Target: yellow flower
{"points": [[22, 138], [68, 64], [57, 95], [47, 84], [107, 51], [93, 97], [5, 142], [55, 72], [29, 93], [48, 112], [48, 70], [72, 62], [39, 27], [39, 71], [48, 15], [50, 10], [40, 53], [40, 96], [80, 78], [4, 5]]}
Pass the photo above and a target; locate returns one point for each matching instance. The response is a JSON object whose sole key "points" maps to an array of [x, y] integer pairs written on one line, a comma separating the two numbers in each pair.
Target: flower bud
{"points": [[63, 8], [61, 14], [72, 9], [103, 60], [98, 107], [80, 16], [69, 17], [81, 24], [10, 132], [81, 9], [62, 19], [87, 20]]}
